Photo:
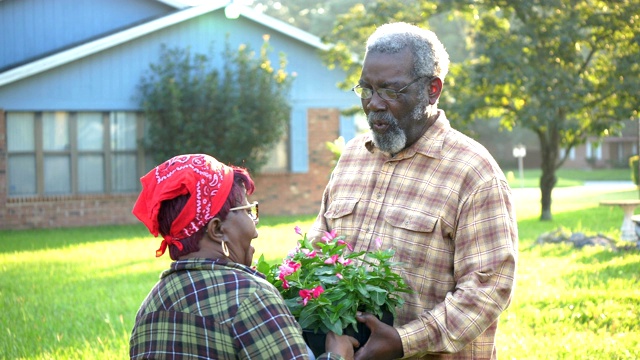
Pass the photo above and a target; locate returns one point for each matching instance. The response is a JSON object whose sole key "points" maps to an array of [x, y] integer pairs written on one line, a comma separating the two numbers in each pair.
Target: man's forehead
{"points": [[383, 68]]}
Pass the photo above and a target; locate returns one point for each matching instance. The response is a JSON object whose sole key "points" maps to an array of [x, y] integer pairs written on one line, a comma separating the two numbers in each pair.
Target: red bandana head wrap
{"points": [[203, 177]]}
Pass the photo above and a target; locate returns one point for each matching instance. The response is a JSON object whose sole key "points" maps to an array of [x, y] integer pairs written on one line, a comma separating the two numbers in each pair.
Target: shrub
{"points": [[236, 114], [633, 165]]}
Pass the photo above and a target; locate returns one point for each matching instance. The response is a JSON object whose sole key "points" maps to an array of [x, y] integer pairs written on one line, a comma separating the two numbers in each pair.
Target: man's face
{"points": [[397, 123]]}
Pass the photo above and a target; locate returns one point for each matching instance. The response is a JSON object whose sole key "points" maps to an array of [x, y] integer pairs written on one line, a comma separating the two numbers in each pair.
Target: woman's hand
{"points": [[341, 344]]}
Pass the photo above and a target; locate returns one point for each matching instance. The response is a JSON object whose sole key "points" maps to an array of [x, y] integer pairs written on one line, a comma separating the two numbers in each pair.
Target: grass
{"points": [[73, 293], [566, 177]]}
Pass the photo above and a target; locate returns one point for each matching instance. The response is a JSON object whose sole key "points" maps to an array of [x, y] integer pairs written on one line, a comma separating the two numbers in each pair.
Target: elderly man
{"points": [[431, 193]]}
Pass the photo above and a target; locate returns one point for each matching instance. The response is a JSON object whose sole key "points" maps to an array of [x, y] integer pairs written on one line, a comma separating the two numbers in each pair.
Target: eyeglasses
{"points": [[252, 210], [386, 94]]}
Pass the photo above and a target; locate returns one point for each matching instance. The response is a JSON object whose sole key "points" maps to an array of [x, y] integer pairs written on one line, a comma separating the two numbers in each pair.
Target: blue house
{"points": [[70, 122]]}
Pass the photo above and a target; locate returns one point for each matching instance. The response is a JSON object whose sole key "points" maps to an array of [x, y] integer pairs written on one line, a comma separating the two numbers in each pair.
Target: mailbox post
{"points": [[519, 152]]}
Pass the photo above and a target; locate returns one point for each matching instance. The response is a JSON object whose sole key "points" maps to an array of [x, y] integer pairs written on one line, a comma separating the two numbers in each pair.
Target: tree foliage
{"points": [[565, 69], [314, 16], [236, 113]]}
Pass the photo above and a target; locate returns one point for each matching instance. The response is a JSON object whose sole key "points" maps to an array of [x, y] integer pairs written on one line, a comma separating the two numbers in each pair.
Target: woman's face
{"points": [[239, 230]]}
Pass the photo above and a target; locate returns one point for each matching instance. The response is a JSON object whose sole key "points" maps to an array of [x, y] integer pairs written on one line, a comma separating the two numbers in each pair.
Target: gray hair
{"points": [[429, 55]]}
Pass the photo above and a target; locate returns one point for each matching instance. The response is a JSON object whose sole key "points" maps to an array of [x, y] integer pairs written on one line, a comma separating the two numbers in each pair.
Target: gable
{"points": [[103, 74]]}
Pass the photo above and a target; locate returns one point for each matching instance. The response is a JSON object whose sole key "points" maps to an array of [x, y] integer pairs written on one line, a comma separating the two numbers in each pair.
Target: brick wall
{"points": [[278, 194], [295, 194], [4, 223]]}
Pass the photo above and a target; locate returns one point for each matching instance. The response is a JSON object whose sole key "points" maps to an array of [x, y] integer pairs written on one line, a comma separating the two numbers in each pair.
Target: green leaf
{"points": [[362, 289], [335, 326], [263, 266]]}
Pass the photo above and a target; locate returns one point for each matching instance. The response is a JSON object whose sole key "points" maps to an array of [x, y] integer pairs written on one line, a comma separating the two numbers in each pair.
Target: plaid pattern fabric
{"points": [[445, 207], [207, 309]]}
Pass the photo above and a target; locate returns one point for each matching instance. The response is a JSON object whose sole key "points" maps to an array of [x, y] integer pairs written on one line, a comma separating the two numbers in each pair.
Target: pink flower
{"points": [[378, 243], [307, 295], [293, 252], [342, 242], [288, 268], [344, 262], [328, 236], [317, 291], [285, 284], [310, 254], [339, 276], [331, 260], [282, 277], [298, 230]]}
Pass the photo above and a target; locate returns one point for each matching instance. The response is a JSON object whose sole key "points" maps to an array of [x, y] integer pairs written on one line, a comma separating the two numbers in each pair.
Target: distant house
{"points": [[70, 123], [608, 152]]}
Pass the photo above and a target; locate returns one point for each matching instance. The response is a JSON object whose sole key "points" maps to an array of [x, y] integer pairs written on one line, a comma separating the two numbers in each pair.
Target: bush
{"points": [[236, 114], [633, 166]]}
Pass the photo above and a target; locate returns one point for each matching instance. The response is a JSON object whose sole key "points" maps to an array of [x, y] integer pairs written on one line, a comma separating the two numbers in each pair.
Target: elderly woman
{"points": [[210, 304]]}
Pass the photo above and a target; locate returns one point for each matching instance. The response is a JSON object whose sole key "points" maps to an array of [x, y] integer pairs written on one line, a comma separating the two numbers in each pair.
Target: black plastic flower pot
{"points": [[316, 341]]}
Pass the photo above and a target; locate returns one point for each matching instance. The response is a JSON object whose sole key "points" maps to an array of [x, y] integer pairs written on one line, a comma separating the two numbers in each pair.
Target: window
{"points": [[67, 153], [278, 157], [594, 150], [572, 153]]}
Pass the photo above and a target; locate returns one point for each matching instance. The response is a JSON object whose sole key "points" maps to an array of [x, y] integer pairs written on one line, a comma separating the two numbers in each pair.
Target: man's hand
{"points": [[384, 342], [342, 345]]}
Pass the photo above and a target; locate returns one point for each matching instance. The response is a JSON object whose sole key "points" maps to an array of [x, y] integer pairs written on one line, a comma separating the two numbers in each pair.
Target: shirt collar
{"points": [[208, 264]]}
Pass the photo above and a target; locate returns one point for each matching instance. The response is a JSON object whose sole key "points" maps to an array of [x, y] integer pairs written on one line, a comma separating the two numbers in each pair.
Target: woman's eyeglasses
{"points": [[252, 210]]}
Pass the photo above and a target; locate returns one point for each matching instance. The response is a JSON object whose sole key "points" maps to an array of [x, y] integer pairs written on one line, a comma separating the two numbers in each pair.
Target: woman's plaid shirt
{"points": [[207, 309]]}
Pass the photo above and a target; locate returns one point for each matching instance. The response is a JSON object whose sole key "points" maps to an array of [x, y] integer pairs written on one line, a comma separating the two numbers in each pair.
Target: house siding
{"points": [[301, 193], [32, 28], [106, 81], [278, 194]]}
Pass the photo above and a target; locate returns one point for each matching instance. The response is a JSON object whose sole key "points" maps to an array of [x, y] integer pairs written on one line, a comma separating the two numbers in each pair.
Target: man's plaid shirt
{"points": [[203, 309], [444, 205]]}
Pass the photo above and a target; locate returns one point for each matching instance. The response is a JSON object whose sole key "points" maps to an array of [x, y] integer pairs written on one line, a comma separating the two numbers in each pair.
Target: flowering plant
{"points": [[324, 285]]}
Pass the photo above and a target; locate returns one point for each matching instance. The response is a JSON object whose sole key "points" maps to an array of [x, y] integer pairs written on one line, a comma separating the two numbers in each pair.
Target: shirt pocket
{"points": [[410, 220], [418, 241], [338, 209]]}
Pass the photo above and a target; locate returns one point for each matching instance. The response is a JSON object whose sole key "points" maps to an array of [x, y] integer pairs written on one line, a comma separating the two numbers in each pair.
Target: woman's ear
{"points": [[214, 230]]}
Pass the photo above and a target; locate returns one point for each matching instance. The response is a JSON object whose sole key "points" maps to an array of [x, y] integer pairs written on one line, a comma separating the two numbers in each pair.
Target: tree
{"points": [[565, 69], [236, 114], [314, 16]]}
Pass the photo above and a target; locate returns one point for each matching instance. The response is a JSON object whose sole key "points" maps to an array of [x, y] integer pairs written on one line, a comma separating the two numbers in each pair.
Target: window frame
{"points": [[74, 153]]}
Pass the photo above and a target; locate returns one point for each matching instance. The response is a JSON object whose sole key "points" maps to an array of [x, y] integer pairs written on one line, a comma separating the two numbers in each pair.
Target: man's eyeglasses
{"points": [[252, 210], [386, 94]]}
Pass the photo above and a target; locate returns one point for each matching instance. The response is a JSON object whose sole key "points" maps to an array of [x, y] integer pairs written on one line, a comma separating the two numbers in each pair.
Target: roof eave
{"points": [[104, 43], [78, 52]]}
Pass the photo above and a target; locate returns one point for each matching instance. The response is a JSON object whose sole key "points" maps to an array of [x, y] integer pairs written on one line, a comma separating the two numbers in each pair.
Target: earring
{"points": [[225, 249]]}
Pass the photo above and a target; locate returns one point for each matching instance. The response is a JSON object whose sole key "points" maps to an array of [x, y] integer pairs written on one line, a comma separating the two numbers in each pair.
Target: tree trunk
{"points": [[548, 179]]}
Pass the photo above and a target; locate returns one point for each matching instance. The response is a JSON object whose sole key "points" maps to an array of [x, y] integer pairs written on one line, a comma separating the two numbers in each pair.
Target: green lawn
{"points": [[73, 293], [566, 177]]}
